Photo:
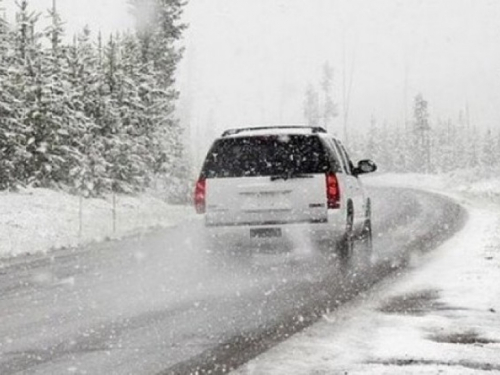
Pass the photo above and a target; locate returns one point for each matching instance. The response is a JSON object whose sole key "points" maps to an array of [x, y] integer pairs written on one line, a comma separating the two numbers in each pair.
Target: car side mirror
{"points": [[365, 166]]}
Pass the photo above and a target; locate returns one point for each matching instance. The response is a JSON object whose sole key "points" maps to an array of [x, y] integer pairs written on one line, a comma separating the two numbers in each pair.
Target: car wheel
{"points": [[346, 245], [367, 234]]}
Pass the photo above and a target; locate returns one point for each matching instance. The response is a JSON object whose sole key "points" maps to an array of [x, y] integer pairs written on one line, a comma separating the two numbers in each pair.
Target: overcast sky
{"points": [[247, 53], [250, 61]]}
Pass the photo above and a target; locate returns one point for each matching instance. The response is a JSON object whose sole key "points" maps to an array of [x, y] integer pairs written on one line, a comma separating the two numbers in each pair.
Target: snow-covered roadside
{"points": [[441, 316], [37, 220], [468, 183]]}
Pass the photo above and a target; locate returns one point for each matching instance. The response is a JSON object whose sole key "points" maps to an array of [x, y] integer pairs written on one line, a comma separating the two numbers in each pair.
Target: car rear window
{"points": [[266, 156]]}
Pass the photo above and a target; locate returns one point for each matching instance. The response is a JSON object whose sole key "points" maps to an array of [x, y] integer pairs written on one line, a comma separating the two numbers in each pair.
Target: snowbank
{"points": [[37, 220]]}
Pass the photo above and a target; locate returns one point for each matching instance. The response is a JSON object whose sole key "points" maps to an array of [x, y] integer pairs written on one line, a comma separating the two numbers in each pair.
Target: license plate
{"points": [[265, 232]]}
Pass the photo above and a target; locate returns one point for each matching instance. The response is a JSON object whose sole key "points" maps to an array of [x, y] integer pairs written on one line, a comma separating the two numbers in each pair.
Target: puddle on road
{"points": [[420, 303], [469, 337], [416, 303], [436, 366]]}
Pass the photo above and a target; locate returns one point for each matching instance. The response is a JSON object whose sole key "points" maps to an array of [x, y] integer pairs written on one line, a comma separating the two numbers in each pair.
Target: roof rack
{"points": [[314, 129]]}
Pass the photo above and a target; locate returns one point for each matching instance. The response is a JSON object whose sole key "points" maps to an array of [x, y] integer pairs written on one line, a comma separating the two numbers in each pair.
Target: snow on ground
{"points": [[37, 220], [477, 183], [441, 316]]}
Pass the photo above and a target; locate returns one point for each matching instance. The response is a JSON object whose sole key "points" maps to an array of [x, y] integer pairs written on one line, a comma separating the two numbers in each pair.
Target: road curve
{"points": [[160, 304]]}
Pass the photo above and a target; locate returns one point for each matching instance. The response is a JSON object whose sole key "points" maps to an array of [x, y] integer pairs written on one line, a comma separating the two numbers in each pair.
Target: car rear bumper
{"points": [[277, 237]]}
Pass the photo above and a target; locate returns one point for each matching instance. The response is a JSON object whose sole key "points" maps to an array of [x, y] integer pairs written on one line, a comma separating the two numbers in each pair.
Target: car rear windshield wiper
{"points": [[286, 176]]}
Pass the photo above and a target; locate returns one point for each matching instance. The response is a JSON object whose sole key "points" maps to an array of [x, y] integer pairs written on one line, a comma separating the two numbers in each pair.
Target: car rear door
{"points": [[266, 180]]}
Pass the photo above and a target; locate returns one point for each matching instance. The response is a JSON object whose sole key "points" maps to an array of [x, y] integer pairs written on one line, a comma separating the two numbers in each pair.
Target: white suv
{"points": [[282, 186]]}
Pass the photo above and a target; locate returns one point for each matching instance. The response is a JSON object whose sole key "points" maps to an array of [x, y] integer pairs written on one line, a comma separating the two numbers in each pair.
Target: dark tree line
{"points": [[428, 146], [93, 115]]}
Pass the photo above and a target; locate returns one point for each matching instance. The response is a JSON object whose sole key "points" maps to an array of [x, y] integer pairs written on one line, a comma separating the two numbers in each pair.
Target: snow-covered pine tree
{"points": [[108, 121], [24, 20], [92, 118], [159, 28], [60, 119], [89, 177], [443, 146], [28, 52], [9, 108], [458, 139], [466, 143], [48, 112], [421, 150], [473, 148], [133, 112], [127, 155], [488, 150]]}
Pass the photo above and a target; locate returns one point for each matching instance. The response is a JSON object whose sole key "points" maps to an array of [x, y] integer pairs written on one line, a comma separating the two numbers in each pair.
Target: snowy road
{"points": [[160, 304]]}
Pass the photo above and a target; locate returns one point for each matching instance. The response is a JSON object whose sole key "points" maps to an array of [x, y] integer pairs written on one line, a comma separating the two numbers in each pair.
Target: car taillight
{"points": [[200, 196], [332, 191]]}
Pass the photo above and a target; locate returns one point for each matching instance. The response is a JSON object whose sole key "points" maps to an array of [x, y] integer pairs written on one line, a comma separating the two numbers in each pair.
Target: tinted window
{"points": [[266, 156]]}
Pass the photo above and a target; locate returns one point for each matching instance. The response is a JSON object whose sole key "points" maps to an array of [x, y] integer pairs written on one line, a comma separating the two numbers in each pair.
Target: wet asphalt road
{"points": [[160, 304]]}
